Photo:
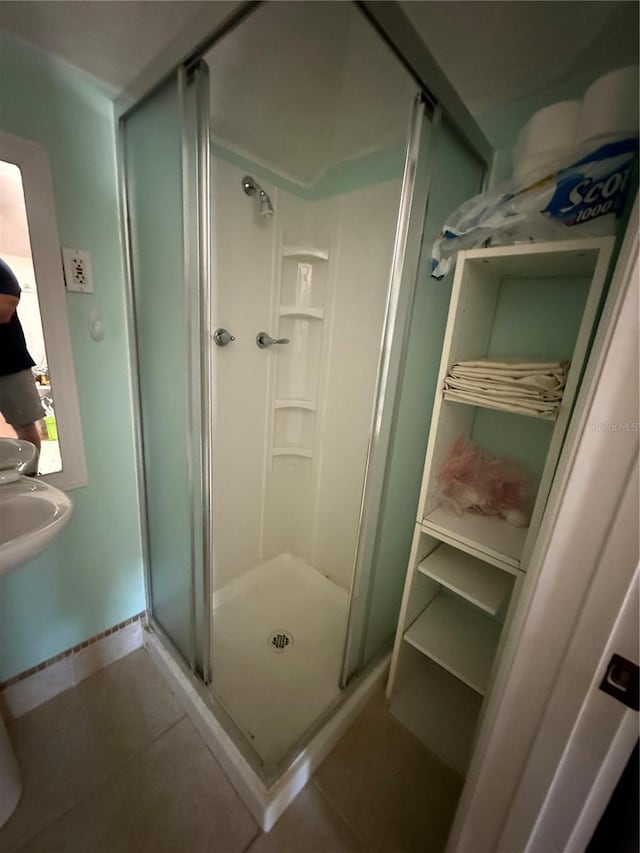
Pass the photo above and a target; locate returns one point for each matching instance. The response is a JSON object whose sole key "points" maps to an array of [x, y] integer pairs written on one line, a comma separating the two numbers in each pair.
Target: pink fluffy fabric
{"points": [[473, 480]]}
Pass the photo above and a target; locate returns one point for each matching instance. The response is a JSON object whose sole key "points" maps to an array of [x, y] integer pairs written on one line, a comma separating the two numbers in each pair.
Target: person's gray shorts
{"points": [[19, 399]]}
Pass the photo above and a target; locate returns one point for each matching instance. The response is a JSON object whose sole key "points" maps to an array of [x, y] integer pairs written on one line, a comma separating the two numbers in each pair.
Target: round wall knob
{"points": [[221, 337]]}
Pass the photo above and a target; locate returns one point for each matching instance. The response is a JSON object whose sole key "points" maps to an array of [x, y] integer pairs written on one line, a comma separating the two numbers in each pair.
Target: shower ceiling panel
{"points": [[331, 96]]}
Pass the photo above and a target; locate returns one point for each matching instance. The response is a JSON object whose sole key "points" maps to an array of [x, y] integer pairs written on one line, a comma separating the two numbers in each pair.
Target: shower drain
{"points": [[280, 640]]}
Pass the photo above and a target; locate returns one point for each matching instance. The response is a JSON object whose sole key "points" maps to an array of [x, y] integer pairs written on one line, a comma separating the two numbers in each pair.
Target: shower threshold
{"points": [[266, 798]]}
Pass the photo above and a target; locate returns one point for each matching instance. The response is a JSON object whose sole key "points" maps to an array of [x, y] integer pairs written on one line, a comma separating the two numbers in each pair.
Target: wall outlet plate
{"points": [[77, 270]]}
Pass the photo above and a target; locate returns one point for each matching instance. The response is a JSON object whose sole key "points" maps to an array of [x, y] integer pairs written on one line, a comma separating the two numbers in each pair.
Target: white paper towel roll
{"points": [[610, 106], [548, 136]]}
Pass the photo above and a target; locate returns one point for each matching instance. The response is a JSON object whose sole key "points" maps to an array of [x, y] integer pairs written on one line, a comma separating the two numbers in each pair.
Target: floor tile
{"points": [[61, 760], [396, 795], [309, 825], [180, 801], [129, 705], [99, 824]]}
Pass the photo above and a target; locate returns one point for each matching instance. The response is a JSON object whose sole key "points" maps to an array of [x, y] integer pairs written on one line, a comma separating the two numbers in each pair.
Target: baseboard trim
{"points": [[37, 685]]}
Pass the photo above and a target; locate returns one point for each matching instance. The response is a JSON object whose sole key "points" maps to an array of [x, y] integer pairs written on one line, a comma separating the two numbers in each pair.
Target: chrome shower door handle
{"points": [[264, 340]]}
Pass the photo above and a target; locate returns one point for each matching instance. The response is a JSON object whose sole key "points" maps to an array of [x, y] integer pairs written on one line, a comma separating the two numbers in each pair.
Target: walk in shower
{"points": [[275, 189]]}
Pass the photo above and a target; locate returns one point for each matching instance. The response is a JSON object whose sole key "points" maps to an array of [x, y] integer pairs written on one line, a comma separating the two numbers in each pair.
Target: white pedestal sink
{"points": [[32, 514]]}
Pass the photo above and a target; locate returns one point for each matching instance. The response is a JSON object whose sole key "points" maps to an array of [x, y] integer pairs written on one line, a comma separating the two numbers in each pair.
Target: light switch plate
{"points": [[77, 270]]}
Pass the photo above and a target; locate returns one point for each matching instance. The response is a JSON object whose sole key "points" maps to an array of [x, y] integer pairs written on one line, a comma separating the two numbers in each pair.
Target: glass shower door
{"points": [[159, 139]]}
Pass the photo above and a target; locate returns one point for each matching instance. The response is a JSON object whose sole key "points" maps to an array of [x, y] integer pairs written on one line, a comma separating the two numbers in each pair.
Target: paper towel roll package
{"points": [[609, 107], [549, 136], [574, 163]]}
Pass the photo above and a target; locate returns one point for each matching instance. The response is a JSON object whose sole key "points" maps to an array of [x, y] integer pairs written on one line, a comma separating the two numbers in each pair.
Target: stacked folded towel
{"points": [[526, 387]]}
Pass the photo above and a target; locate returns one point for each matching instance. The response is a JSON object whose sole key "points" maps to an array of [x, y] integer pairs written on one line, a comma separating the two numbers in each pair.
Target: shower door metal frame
{"points": [[424, 123], [196, 152]]}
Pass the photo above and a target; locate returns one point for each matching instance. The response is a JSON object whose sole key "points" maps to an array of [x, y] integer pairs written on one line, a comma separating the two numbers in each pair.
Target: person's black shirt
{"points": [[14, 355]]}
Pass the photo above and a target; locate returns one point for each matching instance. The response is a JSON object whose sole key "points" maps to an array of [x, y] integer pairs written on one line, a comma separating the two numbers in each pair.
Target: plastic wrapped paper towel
{"points": [[557, 185], [578, 194]]}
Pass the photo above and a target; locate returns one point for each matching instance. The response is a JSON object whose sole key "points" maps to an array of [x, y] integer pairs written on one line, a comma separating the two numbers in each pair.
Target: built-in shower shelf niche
{"points": [[306, 254], [304, 452], [301, 312], [296, 404]]}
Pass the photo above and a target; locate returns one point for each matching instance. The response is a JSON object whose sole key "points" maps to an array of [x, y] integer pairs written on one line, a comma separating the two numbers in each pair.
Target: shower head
{"points": [[266, 207], [251, 187]]}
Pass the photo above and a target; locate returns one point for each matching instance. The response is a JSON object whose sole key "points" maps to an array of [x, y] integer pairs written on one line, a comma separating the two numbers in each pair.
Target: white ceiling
{"points": [[493, 51], [496, 52], [113, 41], [303, 87], [333, 91]]}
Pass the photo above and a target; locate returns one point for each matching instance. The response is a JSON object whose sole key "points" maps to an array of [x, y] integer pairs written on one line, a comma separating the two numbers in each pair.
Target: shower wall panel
{"points": [[266, 502], [241, 293], [364, 233]]}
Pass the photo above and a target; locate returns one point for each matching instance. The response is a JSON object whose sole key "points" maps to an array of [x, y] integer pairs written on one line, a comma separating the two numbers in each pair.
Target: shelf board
{"points": [[301, 311], [484, 536], [474, 580], [305, 253], [440, 711], [540, 260], [309, 405], [458, 637], [452, 397], [292, 451]]}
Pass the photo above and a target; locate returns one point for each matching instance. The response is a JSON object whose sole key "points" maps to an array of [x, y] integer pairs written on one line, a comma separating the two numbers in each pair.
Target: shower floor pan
{"points": [[273, 691], [278, 638]]}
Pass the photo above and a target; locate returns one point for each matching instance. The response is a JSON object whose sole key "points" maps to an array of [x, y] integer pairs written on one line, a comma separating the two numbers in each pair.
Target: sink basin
{"points": [[32, 514], [18, 455]]}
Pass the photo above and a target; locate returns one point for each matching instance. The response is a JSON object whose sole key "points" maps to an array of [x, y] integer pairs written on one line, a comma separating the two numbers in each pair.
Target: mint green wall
{"points": [[91, 578]]}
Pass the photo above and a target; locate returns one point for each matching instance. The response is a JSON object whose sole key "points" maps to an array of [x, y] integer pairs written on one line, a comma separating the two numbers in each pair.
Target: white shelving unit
{"points": [[453, 397], [469, 578], [535, 301], [442, 633], [485, 536]]}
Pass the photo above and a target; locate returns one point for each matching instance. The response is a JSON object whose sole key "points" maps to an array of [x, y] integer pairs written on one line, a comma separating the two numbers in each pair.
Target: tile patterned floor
{"points": [[114, 766]]}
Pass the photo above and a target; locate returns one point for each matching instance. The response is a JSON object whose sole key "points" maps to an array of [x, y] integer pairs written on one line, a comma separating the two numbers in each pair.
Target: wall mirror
{"points": [[30, 246]]}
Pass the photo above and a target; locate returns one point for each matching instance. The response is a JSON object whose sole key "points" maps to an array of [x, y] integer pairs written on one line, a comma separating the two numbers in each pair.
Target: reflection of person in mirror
{"points": [[19, 399]]}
